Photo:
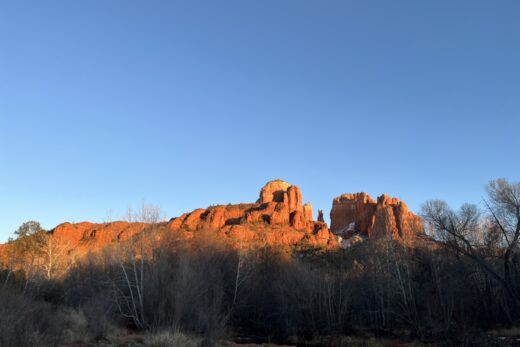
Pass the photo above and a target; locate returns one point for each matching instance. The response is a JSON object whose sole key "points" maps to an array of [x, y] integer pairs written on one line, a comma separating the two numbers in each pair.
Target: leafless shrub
{"points": [[24, 322]]}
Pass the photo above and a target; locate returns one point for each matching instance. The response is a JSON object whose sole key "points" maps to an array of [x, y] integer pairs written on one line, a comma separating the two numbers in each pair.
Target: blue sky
{"points": [[184, 104]]}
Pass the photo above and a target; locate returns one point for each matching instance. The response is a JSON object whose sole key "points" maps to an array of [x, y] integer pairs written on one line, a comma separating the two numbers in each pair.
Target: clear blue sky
{"points": [[190, 103]]}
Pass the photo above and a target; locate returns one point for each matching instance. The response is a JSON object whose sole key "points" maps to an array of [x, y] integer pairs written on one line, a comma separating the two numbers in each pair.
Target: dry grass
{"points": [[75, 326], [172, 339]]}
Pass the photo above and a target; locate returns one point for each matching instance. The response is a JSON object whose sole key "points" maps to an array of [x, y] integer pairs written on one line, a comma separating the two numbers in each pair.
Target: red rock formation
{"points": [[359, 213], [273, 191], [352, 208], [278, 218], [307, 211], [279, 205], [294, 199]]}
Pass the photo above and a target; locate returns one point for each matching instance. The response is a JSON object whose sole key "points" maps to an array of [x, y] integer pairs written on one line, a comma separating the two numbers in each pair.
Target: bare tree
{"points": [[243, 270], [53, 254], [468, 234], [504, 207], [129, 291]]}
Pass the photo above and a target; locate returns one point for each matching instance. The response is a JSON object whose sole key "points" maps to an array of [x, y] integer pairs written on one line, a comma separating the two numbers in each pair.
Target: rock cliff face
{"points": [[358, 213]]}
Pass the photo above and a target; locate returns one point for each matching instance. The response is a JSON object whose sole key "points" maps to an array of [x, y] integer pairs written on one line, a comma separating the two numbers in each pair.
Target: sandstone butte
{"points": [[277, 218], [359, 214]]}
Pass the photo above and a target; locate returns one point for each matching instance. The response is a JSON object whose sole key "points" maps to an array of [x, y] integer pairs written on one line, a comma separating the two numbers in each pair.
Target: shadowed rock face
{"points": [[360, 214]]}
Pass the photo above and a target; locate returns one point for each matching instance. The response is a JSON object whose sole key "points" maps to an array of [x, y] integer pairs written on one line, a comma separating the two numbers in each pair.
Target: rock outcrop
{"points": [[359, 214], [279, 205]]}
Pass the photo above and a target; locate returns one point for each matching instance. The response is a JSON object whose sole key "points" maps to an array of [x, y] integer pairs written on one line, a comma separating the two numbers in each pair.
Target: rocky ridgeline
{"points": [[277, 218]]}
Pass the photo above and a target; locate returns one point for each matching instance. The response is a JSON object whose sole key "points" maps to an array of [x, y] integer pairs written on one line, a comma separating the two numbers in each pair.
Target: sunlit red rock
{"points": [[273, 191], [307, 211], [277, 218], [95, 236], [297, 220], [294, 196], [279, 207], [359, 214], [352, 209]]}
